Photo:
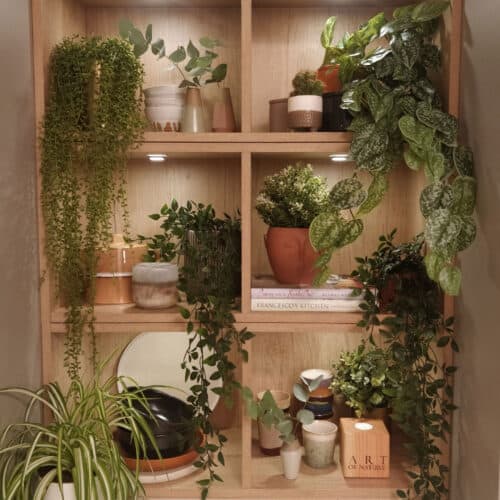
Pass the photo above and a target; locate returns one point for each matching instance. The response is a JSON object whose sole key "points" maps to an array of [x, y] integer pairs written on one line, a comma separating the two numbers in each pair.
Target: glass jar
{"points": [[154, 285]]}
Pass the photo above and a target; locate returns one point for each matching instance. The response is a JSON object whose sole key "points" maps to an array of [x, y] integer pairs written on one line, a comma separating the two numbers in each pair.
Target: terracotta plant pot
{"points": [[305, 112], [193, 116], [278, 115], [329, 75], [291, 255], [223, 114]]}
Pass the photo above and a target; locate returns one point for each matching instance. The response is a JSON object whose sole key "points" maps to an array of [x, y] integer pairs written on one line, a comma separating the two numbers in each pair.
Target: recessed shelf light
{"points": [[157, 157], [340, 157], [363, 426]]}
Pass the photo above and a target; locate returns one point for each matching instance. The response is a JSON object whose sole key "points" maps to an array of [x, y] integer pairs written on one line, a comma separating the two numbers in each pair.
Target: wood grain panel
{"points": [[177, 26], [399, 209]]}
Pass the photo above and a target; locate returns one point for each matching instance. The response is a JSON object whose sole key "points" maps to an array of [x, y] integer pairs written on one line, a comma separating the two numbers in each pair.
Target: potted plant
{"points": [[196, 69], [305, 105], [268, 412], [363, 376], [288, 202], [74, 456], [340, 64]]}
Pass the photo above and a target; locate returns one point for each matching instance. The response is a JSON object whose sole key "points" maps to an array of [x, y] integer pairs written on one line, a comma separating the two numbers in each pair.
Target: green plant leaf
{"points": [[192, 51], [125, 27], [412, 160], [323, 229], [434, 263], [442, 229], [327, 33], [450, 279], [157, 47], [305, 417], [434, 167], [438, 120], [416, 132], [178, 55], [463, 192], [406, 48], [149, 33], [429, 10], [369, 142], [219, 73], [463, 160], [210, 43], [376, 192], [467, 233], [347, 193], [434, 196]]}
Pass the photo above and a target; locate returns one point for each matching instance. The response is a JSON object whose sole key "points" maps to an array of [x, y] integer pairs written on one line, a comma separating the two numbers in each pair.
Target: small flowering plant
{"points": [[363, 376], [293, 197]]}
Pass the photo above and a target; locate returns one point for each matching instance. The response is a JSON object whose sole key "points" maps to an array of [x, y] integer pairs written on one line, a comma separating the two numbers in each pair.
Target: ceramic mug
{"points": [[319, 443]]}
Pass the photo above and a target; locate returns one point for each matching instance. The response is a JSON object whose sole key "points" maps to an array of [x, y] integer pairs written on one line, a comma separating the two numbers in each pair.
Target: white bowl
{"points": [[164, 91]]}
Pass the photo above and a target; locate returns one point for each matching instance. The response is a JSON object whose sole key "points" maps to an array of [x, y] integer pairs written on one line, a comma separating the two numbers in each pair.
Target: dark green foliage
{"points": [[306, 83], [211, 281], [93, 117], [422, 401]]}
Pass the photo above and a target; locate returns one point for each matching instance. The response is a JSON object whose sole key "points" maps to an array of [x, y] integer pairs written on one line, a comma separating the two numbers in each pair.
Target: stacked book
{"points": [[339, 294]]}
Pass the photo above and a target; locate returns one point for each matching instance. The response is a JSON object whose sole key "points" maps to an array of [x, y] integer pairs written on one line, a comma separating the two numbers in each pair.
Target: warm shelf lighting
{"points": [[363, 426], [340, 157], [157, 157]]}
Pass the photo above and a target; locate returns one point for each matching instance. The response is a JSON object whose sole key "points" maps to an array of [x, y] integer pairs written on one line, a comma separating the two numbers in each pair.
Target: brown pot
{"points": [[329, 75], [379, 413], [278, 115], [223, 114], [291, 255]]}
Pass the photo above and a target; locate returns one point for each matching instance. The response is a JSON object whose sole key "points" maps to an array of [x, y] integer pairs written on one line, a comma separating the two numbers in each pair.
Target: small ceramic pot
{"points": [[269, 437], [164, 105], [291, 255], [321, 399], [319, 443], [278, 115], [223, 114], [193, 116], [54, 493], [335, 119], [291, 456], [329, 75], [305, 112], [154, 285]]}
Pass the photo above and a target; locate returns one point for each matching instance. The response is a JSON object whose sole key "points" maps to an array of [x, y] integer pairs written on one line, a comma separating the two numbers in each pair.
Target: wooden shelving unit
{"points": [[266, 43]]}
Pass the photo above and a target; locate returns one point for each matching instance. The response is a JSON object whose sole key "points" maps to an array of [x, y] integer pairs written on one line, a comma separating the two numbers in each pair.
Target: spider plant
{"points": [[77, 445]]}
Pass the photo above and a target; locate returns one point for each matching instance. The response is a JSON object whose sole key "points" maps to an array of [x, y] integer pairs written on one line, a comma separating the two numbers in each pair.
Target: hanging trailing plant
{"points": [[92, 119], [398, 117], [422, 394], [210, 279]]}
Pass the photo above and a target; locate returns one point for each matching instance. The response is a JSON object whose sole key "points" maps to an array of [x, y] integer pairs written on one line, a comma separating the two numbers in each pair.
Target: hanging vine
{"points": [[92, 119]]}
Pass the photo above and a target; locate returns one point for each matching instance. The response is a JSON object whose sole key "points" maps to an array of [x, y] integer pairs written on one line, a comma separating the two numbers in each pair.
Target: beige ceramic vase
{"points": [[193, 116], [223, 113]]}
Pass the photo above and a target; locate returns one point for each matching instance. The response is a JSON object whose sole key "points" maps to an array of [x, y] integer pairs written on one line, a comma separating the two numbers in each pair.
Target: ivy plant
{"points": [[210, 278], [413, 333], [93, 118], [194, 65], [398, 116]]}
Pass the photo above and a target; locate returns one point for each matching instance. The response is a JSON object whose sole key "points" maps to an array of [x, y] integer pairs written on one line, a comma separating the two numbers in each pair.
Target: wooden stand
{"points": [[364, 448]]}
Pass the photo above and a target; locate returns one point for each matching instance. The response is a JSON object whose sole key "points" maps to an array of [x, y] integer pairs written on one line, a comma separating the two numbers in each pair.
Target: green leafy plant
{"points": [[306, 83], [93, 118], [78, 445], [198, 69], [413, 333], [398, 116], [268, 412], [293, 197], [363, 376], [351, 49], [210, 278]]}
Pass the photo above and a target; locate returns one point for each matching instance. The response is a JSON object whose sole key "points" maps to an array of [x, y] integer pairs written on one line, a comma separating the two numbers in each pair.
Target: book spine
{"points": [[303, 293], [307, 305]]}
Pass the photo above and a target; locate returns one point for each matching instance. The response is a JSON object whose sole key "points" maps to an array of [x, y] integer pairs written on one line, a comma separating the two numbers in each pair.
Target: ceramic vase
{"points": [[305, 112], [269, 437], [278, 115], [319, 443], [291, 456], [193, 116], [223, 113], [291, 255]]}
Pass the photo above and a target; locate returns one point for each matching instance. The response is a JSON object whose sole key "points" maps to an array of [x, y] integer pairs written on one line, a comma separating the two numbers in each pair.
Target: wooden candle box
{"points": [[364, 448]]}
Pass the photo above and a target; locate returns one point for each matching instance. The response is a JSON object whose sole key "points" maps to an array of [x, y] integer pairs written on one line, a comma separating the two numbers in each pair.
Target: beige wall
{"points": [[19, 337], [477, 423]]}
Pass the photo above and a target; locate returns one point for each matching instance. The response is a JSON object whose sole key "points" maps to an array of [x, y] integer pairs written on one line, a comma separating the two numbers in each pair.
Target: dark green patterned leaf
{"points": [[464, 195], [412, 160], [416, 132], [376, 192], [437, 119], [368, 142], [434, 166], [406, 48], [434, 196], [450, 279], [467, 233], [442, 229], [347, 193], [463, 160], [431, 9], [434, 262]]}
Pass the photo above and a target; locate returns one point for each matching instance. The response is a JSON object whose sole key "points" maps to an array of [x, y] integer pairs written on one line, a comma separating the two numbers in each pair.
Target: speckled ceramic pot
{"points": [[319, 443]]}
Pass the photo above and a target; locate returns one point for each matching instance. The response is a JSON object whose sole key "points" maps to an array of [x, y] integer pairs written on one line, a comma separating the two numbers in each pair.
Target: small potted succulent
{"points": [[266, 410], [305, 104], [288, 203], [363, 376]]}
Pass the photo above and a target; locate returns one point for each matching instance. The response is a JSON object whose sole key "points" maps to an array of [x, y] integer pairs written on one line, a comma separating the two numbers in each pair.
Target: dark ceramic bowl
{"points": [[170, 422]]}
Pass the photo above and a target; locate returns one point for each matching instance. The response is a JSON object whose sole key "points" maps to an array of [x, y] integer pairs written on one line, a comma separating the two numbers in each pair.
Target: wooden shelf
{"points": [[116, 318], [326, 483]]}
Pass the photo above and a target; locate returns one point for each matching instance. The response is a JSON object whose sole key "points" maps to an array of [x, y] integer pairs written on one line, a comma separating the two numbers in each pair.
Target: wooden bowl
{"points": [[164, 464]]}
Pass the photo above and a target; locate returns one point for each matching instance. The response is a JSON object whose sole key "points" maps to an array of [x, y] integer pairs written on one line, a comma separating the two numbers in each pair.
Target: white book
{"points": [[307, 305]]}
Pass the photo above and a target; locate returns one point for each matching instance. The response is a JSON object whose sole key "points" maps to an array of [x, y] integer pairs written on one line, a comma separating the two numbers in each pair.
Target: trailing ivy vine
{"points": [[92, 119], [210, 279], [421, 398], [398, 116]]}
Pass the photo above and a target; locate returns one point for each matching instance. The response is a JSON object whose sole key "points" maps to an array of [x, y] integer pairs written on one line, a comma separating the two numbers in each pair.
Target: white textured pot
{"points": [[305, 112], [319, 442], [291, 456], [53, 492]]}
